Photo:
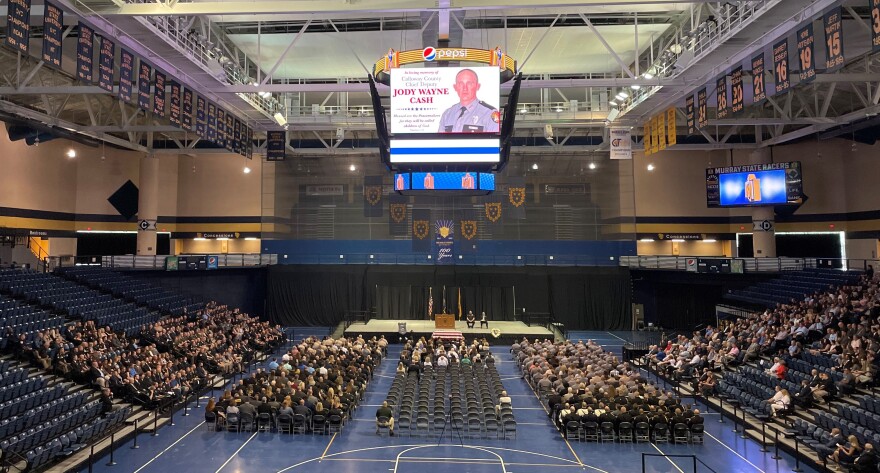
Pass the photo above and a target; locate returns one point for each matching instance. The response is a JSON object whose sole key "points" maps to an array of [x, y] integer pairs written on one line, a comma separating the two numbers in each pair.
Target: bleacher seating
{"points": [[133, 290], [791, 285], [17, 318], [76, 300]]}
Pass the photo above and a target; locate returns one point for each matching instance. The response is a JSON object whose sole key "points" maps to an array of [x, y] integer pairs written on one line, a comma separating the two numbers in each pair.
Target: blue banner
{"points": [[85, 47], [174, 108], [230, 135], [221, 128], [187, 109], [106, 55], [53, 30], [159, 95], [276, 144], [444, 241], [212, 122], [126, 75], [18, 26], [145, 76], [201, 129]]}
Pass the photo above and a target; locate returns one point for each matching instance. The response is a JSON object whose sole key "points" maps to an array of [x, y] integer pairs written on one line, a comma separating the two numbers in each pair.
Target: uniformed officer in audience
{"points": [[470, 115]]}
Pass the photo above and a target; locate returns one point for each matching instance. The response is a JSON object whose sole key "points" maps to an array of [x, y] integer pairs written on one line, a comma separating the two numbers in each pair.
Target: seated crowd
{"points": [[834, 335], [434, 352], [586, 385], [320, 380], [164, 364]]}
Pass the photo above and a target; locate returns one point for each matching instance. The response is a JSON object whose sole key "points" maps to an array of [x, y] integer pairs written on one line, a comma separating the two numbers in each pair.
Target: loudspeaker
{"points": [[340, 133], [548, 131]]}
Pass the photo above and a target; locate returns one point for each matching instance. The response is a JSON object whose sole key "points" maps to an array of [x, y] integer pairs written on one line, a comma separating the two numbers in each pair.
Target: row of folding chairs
{"points": [[627, 432], [265, 422]]}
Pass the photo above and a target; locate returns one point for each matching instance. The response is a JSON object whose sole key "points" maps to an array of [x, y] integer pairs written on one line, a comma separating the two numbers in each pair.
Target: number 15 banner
{"points": [[833, 40]]}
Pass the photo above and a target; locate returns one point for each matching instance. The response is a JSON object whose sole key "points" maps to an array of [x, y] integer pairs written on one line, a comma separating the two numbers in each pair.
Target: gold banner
{"points": [[671, 137]]}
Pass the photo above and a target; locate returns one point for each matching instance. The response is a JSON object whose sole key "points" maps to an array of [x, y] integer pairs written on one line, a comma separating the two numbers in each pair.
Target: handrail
{"points": [[20, 463], [667, 456], [748, 265], [229, 260]]}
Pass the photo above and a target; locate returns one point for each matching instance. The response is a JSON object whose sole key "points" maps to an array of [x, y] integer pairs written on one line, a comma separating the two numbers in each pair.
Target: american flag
{"points": [[430, 302]]}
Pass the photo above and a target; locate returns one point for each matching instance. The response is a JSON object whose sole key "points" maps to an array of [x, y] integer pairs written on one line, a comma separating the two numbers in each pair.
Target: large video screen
{"points": [[754, 185], [444, 181], [445, 100]]}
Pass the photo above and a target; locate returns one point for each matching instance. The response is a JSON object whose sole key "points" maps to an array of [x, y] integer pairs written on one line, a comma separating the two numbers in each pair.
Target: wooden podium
{"points": [[444, 321]]}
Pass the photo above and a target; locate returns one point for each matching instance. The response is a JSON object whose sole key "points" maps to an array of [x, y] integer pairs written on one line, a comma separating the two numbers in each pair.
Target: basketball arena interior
{"points": [[470, 236]]}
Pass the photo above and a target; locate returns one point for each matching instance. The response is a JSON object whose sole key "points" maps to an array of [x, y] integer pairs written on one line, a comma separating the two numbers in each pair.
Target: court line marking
{"points": [[666, 457], [169, 447], [410, 460], [328, 445], [622, 340], [500, 459], [236, 452], [560, 433], [734, 452]]}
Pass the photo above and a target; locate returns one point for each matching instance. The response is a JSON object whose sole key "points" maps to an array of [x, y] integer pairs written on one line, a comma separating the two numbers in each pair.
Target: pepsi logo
{"points": [[429, 53]]}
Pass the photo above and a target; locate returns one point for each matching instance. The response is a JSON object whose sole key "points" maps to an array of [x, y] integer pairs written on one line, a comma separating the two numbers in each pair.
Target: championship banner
{"points": [[690, 113], [200, 117], [492, 210], [221, 128], [466, 231], [85, 48], [276, 144], [187, 109], [53, 31], [621, 142], [159, 95], [516, 197], [126, 75], [372, 196], [236, 137], [174, 108], [671, 127], [397, 221], [806, 53], [655, 136], [646, 138], [421, 230], [721, 102], [145, 76], [106, 57], [660, 131], [212, 122], [780, 66], [230, 136], [702, 109], [875, 25], [18, 25], [249, 145], [444, 241], [737, 99], [759, 93], [833, 23]]}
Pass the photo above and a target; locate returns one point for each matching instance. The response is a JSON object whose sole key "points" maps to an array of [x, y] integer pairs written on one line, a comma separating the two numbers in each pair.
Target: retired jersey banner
{"points": [[85, 48], [421, 230], [466, 231], [737, 95], [721, 102], [373, 196], [18, 25], [646, 138], [230, 135], [702, 108], [621, 142], [671, 127], [660, 131], [174, 108], [236, 137], [444, 241], [249, 143], [759, 91], [188, 122], [690, 113], [159, 95], [276, 145], [781, 67], [53, 32], [516, 197], [106, 59], [806, 42], [833, 23], [145, 76], [126, 75], [655, 136], [397, 214]]}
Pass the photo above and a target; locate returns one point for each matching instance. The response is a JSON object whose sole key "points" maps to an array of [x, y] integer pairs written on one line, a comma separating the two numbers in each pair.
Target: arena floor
{"points": [[190, 447]]}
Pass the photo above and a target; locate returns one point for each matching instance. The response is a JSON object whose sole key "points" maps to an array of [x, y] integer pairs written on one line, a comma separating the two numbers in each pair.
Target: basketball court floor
{"points": [[189, 446]]}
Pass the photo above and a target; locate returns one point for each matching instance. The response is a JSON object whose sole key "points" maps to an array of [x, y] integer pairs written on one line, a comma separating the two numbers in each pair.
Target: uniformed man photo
{"points": [[470, 115]]}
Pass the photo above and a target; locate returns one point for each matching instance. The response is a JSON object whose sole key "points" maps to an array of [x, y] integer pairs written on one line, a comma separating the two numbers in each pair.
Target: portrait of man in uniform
{"points": [[470, 114]]}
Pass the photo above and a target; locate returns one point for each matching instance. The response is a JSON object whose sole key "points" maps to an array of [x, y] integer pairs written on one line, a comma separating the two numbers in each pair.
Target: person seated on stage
{"points": [[483, 322], [386, 413], [471, 320]]}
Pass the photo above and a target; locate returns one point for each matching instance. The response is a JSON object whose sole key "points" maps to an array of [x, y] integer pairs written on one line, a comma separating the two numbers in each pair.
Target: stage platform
{"points": [[510, 331]]}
